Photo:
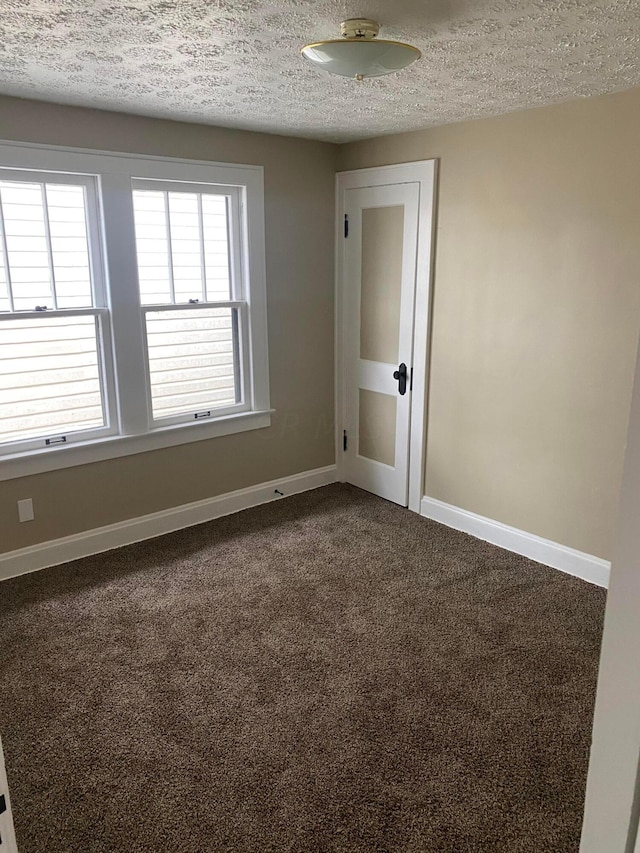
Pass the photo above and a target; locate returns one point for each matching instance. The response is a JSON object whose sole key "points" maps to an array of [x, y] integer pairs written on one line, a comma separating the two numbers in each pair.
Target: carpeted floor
{"points": [[325, 673]]}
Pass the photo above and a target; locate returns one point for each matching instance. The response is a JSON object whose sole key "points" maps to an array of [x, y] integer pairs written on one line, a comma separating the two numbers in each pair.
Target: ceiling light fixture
{"points": [[359, 53]]}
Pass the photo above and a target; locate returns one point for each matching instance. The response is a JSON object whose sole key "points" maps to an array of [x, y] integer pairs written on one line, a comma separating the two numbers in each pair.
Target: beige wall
{"points": [[536, 316], [299, 192], [536, 311]]}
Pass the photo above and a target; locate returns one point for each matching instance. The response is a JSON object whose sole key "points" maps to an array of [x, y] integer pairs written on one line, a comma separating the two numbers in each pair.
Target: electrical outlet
{"points": [[25, 510]]}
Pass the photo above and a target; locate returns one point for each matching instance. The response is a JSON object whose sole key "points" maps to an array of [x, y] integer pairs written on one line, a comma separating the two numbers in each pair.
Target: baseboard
{"points": [[100, 539], [581, 565]]}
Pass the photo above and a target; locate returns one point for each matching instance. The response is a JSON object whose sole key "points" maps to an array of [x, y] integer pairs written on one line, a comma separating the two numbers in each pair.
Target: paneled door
{"points": [[379, 288]]}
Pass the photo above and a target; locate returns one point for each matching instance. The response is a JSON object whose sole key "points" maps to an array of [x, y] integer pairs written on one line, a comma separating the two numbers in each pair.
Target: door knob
{"points": [[401, 375]]}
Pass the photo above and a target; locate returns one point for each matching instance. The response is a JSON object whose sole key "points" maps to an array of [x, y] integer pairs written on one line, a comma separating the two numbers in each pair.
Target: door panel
{"points": [[379, 292], [377, 427], [381, 282]]}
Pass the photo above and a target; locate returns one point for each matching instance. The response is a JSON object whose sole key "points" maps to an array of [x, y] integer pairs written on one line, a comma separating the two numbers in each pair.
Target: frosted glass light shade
{"points": [[361, 58]]}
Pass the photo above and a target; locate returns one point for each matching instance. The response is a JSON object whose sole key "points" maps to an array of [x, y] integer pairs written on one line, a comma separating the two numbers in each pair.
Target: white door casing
{"points": [[612, 802], [380, 271], [7, 835], [396, 204]]}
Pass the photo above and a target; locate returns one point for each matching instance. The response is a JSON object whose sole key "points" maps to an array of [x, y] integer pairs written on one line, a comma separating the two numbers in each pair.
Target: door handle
{"points": [[401, 375]]}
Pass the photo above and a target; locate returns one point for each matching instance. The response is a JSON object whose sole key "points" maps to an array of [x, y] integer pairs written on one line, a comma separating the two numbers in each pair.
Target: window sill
{"points": [[112, 447]]}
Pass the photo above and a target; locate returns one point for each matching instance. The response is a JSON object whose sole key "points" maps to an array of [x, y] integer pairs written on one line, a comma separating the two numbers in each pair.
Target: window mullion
{"points": [[126, 318], [5, 257], [203, 265], [47, 234], [167, 216]]}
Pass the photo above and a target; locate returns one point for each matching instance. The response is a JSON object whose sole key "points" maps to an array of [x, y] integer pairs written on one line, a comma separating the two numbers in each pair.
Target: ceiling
{"points": [[237, 63]]}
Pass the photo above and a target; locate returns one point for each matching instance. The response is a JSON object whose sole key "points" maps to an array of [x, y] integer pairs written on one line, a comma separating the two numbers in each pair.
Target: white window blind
{"points": [[185, 240], [51, 382]]}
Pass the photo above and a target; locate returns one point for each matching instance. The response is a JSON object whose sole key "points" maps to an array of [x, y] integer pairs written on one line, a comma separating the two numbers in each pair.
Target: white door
{"points": [[7, 835], [378, 289]]}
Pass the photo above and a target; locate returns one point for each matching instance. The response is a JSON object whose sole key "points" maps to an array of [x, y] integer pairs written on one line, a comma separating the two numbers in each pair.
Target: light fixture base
{"points": [[359, 54], [359, 28]]}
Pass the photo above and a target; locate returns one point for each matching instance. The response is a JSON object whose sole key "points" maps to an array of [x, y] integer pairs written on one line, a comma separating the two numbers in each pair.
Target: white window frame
{"points": [[99, 311], [114, 174], [238, 301]]}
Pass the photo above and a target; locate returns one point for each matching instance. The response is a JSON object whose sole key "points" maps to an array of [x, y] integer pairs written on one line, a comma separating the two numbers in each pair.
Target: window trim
{"points": [[39, 461], [114, 173], [237, 298], [99, 309]]}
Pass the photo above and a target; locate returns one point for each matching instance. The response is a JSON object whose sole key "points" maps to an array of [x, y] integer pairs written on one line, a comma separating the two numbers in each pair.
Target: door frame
{"points": [[7, 831], [424, 173], [612, 802]]}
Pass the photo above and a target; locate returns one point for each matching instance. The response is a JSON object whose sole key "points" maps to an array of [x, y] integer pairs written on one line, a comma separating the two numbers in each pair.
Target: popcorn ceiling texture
{"points": [[237, 62]]}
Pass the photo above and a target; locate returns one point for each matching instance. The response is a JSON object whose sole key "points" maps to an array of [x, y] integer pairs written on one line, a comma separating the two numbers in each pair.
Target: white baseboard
{"points": [[568, 560], [100, 539]]}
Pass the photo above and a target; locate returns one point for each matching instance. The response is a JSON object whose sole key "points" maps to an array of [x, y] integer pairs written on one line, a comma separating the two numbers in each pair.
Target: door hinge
{"points": [[3, 808], [344, 439], [346, 225]]}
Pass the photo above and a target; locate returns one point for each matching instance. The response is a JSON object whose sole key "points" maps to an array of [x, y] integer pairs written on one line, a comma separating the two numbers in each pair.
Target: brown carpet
{"points": [[325, 673]]}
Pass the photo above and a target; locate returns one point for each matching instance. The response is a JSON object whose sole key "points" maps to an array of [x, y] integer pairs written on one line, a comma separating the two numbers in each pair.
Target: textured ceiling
{"points": [[237, 62]]}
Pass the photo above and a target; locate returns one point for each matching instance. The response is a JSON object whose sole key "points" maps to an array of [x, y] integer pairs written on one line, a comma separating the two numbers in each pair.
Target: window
{"points": [[132, 305], [192, 300], [52, 304]]}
